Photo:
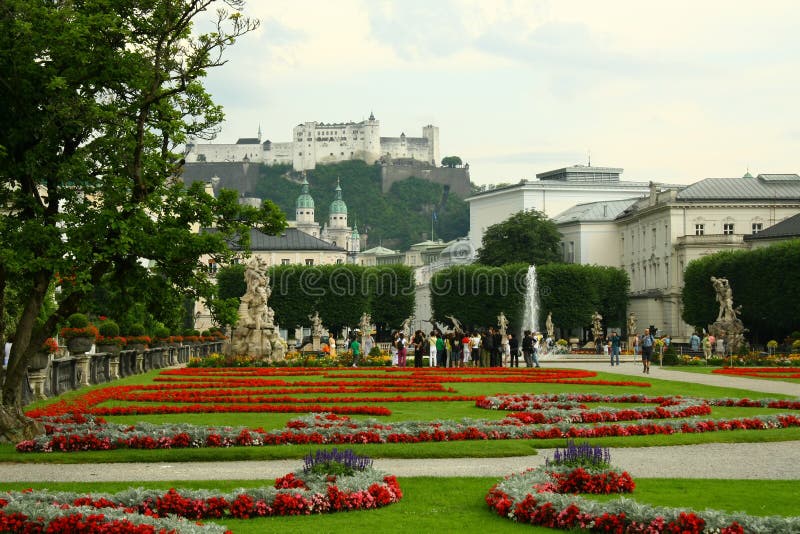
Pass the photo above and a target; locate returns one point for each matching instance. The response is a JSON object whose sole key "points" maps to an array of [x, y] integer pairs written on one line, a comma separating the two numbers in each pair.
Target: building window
{"points": [[654, 239], [339, 261], [309, 262], [757, 227], [727, 228], [285, 261], [699, 229]]}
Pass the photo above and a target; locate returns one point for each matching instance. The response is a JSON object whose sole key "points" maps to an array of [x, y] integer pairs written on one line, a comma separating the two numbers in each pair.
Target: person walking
{"points": [[615, 346], [647, 350], [355, 346]]}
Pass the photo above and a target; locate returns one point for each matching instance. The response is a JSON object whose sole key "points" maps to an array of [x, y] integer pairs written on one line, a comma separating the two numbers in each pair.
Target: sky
{"points": [[672, 92]]}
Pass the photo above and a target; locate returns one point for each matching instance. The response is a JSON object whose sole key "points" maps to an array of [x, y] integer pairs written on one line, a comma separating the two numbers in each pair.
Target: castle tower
{"points": [[337, 218], [304, 212], [371, 145], [431, 133]]}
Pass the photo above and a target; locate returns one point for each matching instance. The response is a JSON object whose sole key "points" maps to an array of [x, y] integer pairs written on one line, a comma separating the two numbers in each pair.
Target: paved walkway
{"points": [[779, 460], [667, 373]]}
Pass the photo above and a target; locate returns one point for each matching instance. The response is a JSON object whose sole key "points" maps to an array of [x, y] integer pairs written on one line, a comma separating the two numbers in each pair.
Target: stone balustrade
{"points": [[73, 372]]}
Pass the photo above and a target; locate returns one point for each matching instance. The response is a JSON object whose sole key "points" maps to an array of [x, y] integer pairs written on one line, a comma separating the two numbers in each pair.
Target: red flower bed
{"points": [[760, 372], [264, 390]]}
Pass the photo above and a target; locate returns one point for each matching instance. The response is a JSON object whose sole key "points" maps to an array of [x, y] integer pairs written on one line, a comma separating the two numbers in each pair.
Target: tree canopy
{"points": [[526, 237], [97, 99], [451, 161]]}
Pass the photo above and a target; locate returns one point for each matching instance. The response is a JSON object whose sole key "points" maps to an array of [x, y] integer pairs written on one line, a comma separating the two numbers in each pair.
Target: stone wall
{"points": [[456, 178]]}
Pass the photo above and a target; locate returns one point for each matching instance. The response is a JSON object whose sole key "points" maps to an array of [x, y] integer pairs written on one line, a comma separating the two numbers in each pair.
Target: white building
{"points": [[551, 193], [656, 237], [318, 142]]}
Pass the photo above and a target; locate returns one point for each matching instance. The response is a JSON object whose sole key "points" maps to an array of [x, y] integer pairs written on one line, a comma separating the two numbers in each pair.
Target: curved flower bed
{"points": [[297, 493], [541, 497], [265, 390], [760, 372], [81, 433]]}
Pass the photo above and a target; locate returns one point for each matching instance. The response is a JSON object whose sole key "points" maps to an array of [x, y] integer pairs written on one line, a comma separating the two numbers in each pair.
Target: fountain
{"points": [[530, 315]]}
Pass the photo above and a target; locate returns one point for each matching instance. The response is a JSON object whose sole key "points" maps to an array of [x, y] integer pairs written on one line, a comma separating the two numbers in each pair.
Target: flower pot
{"points": [[138, 347], [39, 360], [80, 344], [110, 348]]}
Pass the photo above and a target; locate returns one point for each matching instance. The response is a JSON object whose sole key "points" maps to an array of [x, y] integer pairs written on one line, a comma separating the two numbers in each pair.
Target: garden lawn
{"points": [[401, 411], [457, 504], [710, 370]]}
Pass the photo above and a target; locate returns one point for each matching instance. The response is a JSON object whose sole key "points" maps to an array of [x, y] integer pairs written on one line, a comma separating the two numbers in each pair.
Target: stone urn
{"points": [[80, 344], [110, 348], [138, 347], [39, 360]]}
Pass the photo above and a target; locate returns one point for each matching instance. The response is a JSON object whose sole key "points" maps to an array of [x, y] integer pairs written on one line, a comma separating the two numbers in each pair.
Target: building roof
{"points": [[379, 251], [787, 228], [604, 210], [762, 187], [582, 173], [248, 141], [290, 239]]}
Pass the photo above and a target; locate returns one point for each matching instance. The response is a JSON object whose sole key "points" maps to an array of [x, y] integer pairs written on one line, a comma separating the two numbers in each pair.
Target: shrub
{"points": [[335, 462], [136, 329], [108, 328], [161, 332], [78, 320], [375, 351], [670, 356]]}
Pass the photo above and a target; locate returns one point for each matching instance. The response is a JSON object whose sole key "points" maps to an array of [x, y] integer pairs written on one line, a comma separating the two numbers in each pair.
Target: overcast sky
{"points": [[670, 91]]}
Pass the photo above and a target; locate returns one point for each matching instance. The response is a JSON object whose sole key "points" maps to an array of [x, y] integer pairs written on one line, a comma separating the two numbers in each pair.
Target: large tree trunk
{"points": [[15, 427]]}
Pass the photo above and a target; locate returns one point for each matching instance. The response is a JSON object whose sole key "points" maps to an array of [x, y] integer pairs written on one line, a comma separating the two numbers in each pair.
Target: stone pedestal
{"points": [[83, 365], [37, 379], [113, 367], [316, 343]]}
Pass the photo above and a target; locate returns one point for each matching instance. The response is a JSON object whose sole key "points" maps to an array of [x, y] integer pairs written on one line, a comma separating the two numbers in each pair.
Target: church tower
{"points": [[304, 212], [337, 218]]}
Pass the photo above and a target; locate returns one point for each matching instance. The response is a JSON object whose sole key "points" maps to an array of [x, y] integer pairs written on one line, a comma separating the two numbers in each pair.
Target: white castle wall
{"points": [[319, 143]]}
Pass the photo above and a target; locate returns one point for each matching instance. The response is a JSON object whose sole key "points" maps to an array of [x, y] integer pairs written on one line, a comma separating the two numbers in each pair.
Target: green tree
{"points": [[451, 161], [392, 295], [476, 294], [765, 283], [97, 97], [527, 237]]}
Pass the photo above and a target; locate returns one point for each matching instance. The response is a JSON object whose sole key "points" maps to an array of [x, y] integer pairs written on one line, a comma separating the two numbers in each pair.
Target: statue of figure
{"points": [[550, 326], [365, 324], [725, 299], [316, 325], [632, 324], [406, 326], [502, 322], [456, 323], [278, 350], [597, 325]]}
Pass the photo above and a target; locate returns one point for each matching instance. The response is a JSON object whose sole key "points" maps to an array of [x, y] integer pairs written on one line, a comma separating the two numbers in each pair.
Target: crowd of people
{"points": [[455, 348]]}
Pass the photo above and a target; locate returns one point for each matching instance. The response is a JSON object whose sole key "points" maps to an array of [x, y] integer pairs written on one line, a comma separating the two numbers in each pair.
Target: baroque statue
{"points": [[255, 333]]}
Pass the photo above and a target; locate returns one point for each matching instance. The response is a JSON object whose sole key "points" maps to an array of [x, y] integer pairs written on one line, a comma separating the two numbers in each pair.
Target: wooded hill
{"points": [[395, 220]]}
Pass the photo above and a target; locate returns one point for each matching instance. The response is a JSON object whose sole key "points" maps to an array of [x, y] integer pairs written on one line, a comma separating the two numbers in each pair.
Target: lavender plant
{"points": [[581, 455], [335, 462]]}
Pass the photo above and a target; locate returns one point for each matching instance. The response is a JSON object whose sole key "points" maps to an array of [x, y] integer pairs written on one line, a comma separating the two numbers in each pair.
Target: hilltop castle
{"points": [[319, 143]]}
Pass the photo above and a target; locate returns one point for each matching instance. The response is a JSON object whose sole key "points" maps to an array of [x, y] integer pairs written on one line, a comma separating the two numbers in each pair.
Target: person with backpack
{"points": [[648, 341], [400, 344]]}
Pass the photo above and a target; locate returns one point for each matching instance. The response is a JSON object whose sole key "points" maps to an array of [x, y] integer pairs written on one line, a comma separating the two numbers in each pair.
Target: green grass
{"points": [[457, 504], [710, 370]]}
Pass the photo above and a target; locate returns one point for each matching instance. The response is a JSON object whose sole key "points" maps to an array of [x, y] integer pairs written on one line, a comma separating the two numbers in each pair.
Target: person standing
{"points": [[615, 346], [475, 349], [441, 353], [706, 346], [455, 349], [466, 350], [401, 350], [694, 342], [487, 347], [513, 346], [647, 350], [432, 349], [419, 347], [355, 346], [527, 348]]}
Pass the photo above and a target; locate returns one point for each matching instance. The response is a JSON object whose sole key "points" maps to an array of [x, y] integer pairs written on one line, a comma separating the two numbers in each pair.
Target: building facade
{"points": [[318, 143], [656, 237], [551, 193]]}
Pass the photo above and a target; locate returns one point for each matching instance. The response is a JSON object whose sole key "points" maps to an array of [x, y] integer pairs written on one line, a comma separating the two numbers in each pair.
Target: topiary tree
{"points": [[527, 237]]}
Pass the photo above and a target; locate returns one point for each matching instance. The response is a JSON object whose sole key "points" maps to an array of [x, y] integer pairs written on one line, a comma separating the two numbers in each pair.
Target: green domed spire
{"points": [[338, 205], [305, 200]]}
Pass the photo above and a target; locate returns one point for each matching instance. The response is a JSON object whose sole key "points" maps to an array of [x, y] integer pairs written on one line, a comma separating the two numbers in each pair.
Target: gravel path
{"points": [[778, 460]]}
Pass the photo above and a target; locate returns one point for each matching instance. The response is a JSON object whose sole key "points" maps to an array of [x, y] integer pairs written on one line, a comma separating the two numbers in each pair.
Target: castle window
{"points": [[699, 229]]}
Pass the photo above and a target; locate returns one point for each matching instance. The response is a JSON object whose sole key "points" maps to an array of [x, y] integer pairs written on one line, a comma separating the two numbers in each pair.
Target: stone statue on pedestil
{"points": [[255, 333]]}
